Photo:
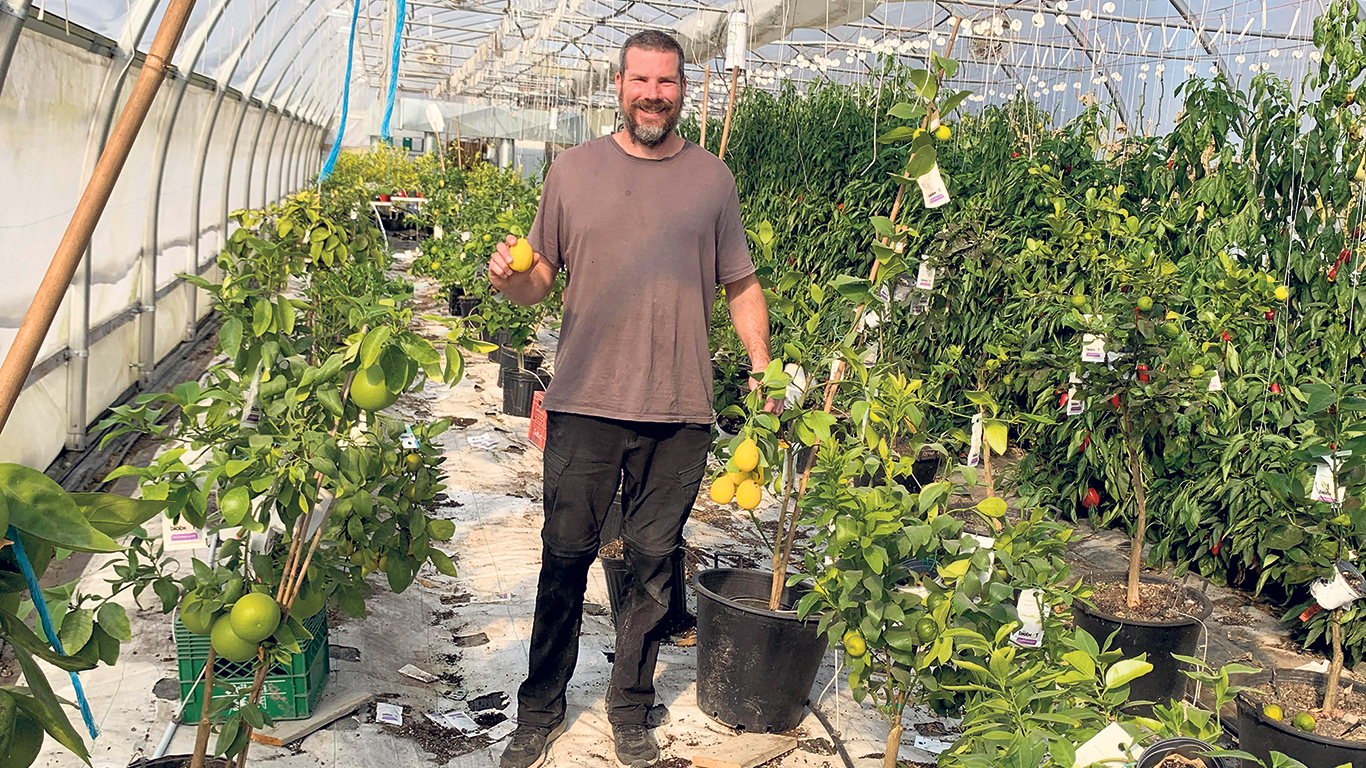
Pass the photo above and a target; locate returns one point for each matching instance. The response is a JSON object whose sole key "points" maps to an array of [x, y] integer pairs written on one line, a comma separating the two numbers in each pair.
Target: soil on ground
{"points": [[613, 550], [1295, 697], [1156, 602], [443, 744]]}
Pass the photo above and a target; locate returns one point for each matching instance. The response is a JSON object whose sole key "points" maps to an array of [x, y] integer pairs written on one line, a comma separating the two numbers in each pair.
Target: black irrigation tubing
{"points": [[834, 737]]}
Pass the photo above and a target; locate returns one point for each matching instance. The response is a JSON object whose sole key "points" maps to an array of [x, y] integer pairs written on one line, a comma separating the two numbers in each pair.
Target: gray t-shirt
{"points": [[644, 243]]}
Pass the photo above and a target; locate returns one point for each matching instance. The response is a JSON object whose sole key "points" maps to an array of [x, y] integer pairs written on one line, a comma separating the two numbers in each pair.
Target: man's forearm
{"points": [[530, 288], [749, 313]]}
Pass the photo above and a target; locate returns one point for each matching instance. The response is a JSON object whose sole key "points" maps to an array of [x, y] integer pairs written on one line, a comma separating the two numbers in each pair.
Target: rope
{"points": [[393, 71], [36, 592], [346, 99]]}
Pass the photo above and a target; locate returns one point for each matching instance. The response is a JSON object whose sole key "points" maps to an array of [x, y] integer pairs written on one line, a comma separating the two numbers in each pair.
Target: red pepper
{"points": [[1275, 388], [1062, 400], [839, 207], [1092, 499], [1270, 315], [1143, 377], [1014, 155], [1227, 337], [1085, 443], [1217, 545], [1333, 273], [1115, 401]]}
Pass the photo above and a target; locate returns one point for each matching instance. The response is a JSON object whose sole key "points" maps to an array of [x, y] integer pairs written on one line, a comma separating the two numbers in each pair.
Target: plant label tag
{"points": [[899, 246], [975, 448], [1216, 384], [1326, 485], [408, 441], [1031, 609], [871, 319], [180, 535], [1092, 348], [438, 232], [884, 294], [796, 388], [1112, 745], [933, 188], [354, 215], [389, 714], [1075, 405], [924, 280], [901, 292], [921, 303], [931, 745], [1345, 588], [870, 354]]}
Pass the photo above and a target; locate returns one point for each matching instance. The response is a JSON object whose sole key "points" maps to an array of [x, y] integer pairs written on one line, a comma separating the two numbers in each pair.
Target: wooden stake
{"points": [[201, 736], [730, 111], [706, 87], [24, 349]]}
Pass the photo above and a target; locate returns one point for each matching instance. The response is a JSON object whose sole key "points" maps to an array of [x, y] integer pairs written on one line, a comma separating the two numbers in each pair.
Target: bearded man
{"points": [[646, 225]]}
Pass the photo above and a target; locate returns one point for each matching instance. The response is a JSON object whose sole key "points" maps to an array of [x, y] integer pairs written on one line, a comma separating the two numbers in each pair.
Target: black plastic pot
{"points": [[519, 387], [1193, 749], [1158, 639], [619, 581], [755, 667], [1260, 735], [531, 362], [462, 305], [456, 293], [177, 761]]}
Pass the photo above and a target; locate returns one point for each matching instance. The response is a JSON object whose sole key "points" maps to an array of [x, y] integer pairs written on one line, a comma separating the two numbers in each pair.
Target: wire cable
{"points": [[346, 99]]}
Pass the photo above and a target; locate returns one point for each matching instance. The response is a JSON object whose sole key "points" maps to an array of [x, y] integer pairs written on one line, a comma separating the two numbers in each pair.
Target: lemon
{"points": [[737, 477], [369, 391], [942, 133], [227, 644], [413, 462], [748, 495], [308, 602], [1196, 371], [722, 490], [1282, 293], [521, 255], [746, 456], [1078, 300], [255, 617], [1145, 303], [854, 644], [196, 617], [1274, 712], [1305, 722], [488, 238]]}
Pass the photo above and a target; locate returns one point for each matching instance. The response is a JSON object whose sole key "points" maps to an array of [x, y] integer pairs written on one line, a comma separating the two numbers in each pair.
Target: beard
{"points": [[654, 133]]}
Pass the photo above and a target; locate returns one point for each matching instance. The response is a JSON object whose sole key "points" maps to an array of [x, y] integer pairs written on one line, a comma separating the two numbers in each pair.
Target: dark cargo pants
{"points": [[659, 467]]}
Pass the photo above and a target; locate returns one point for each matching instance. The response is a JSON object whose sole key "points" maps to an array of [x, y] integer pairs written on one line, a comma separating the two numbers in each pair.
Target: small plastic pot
{"points": [[456, 293], [1193, 749], [467, 306], [1159, 639], [1259, 735]]}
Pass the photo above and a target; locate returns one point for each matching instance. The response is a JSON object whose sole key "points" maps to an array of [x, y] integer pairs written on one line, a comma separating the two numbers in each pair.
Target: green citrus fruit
{"points": [[255, 617], [1273, 711], [1078, 300], [308, 602], [196, 616], [369, 391], [227, 644], [1145, 303], [1170, 330], [413, 461], [854, 644], [1305, 722], [1196, 371], [24, 742], [926, 629]]}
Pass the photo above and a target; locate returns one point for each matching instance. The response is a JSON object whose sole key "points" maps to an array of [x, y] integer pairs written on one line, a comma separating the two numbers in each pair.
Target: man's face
{"points": [[650, 94]]}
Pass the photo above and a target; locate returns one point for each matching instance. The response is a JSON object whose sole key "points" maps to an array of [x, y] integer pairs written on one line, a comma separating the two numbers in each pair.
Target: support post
{"points": [[12, 19]]}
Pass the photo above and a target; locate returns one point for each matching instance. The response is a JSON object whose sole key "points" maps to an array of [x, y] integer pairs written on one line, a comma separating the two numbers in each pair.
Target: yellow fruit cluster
{"points": [[744, 485]]}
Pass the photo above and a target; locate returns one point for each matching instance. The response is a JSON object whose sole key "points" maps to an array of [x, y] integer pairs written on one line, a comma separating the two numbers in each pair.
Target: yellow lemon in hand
{"points": [[746, 456], [748, 495], [722, 490], [521, 255]]}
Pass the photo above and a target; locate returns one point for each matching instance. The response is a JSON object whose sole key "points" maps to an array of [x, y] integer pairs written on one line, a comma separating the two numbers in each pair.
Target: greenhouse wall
{"points": [[50, 112]]}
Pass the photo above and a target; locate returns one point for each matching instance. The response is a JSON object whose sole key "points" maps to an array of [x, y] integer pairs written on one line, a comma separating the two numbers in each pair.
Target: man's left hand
{"points": [[772, 405]]}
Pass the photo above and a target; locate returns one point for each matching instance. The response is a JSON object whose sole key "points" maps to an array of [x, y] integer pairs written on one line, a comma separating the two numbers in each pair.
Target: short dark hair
{"points": [[652, 40]]}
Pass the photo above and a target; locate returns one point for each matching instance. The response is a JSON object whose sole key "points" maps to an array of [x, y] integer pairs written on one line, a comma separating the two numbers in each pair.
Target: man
{"points": [[646, 225]]}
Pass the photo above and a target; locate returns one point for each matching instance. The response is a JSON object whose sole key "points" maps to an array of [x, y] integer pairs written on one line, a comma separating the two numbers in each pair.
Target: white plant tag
{"points": [[1216, 384], [871, 319], [932, 188], [901, 292], [933, 746], [924, 279], [884, 294], [870, 354], [921, 303], [1112, 745], [180, 535], [1075, 405], [899, 247], [796, 388], [389, 714], [1326, 485], [1092, 348], [408, 441], [975, 448], [1031, 609], [438, 232]]}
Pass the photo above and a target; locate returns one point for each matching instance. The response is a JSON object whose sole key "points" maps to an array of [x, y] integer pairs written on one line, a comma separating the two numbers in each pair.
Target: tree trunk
{"points": [[1330, 697], [201, 737], [893, 745], [1140, 525]]}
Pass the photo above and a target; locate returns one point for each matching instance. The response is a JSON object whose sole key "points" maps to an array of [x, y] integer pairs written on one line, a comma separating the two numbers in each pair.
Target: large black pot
{"points": [[456, 293], [176, 761], [519, 387], [531, 362], [1158, 639], [755, 667], [1260, 735], [465, 306]]}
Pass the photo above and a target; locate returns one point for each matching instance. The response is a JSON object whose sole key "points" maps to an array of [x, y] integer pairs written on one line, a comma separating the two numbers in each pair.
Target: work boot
{"points": [[636, 748], [529, 746]]}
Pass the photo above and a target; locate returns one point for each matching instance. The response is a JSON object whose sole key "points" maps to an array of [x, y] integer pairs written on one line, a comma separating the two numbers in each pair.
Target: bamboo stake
{"points": [[38, 319], [730, 111], [706, 86]]}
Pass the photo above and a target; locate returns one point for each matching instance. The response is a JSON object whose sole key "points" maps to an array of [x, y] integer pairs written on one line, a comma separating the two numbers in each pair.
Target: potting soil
{"points": [[1294, 698], [1156, 602]]}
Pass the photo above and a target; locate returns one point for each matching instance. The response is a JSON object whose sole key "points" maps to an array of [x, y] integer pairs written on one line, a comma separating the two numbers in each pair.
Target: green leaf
{"points": [[400, 573], [44, 707], [921, 162], [906, 111], [996, 432], [900, 133], [41, 507], [76, 629], [883, 226], [952, 102], [115, 515], [19, 634], [261, 316], [442, 562], [926, 84], [1081, 661], [230, 337], [957, 569], [114, 619], [1123, 672], [992, 506], [373, 345]]}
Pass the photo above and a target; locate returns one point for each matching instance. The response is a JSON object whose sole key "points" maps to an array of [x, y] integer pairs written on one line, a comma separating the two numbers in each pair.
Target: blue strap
{"points": [[346, 100], [393, 72], [36, 592]]}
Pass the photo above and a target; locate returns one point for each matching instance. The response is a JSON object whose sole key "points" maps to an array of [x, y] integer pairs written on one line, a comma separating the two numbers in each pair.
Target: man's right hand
{"points": [[501, 274]]}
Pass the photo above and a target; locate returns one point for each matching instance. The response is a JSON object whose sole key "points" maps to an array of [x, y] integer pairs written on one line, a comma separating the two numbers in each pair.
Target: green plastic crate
{"points": [[290, 692]]}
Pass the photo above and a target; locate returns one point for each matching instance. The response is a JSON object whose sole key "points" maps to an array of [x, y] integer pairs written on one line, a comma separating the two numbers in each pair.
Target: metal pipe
{"points": [[78, 320], [11, 24], [38, 319]]}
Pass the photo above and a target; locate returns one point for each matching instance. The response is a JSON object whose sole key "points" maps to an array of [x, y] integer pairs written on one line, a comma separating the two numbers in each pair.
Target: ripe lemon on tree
{"points": [[255, 617], [227, 644], [748, 495], [737, 477], [1282, 293], [521, 255], [746, 456], [368, 390], [854, 644], [942, 133], [722, 490], [24, 741]]}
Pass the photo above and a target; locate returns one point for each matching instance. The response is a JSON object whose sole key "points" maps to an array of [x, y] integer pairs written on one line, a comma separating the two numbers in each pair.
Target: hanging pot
{"points": [[1158, 639], [755, 667]]}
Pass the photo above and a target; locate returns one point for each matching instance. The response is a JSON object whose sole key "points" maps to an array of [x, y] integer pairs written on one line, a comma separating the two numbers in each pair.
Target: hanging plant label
{"points": [[180, 535], [1031, 609], [438, 232], [1347, 586], [871, 319], [1075, 405], [975, 448], [924, 279], [921, 303], [933, 188], [1216, 384], [1326, 487]]}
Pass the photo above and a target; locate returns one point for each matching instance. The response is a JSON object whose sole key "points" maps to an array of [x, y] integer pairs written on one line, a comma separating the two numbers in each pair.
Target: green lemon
{"points": [[196, 617], [926, 629], [255, 617], [1145, 303], [308, 602], [1078, 300], [1170, 330], [1305, 722], [854, 644], [227, 644], [1196, 371], [369, 390], [1274, 712]]}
